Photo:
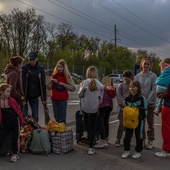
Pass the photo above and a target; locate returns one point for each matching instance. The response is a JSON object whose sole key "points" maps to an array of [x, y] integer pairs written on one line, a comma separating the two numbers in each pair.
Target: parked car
{"points": [[76, 76], [118, 78]]}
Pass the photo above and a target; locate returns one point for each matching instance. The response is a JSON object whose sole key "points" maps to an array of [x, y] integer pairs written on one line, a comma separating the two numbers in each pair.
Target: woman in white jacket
{"points": [[91, 92]]}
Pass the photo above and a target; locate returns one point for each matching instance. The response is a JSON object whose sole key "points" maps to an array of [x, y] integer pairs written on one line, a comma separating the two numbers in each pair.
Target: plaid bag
{"points": [[62, 142]]}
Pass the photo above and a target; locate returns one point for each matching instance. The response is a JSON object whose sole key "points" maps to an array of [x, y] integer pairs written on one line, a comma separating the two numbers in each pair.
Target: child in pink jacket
{"points": [[10, 113]]}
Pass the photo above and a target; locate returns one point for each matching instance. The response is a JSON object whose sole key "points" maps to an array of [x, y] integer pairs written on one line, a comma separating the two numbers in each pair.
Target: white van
{"points": [[118, 78]]}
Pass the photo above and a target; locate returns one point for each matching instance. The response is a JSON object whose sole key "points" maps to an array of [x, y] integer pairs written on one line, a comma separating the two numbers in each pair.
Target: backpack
{"points": [[130, 117], [40, 142]]}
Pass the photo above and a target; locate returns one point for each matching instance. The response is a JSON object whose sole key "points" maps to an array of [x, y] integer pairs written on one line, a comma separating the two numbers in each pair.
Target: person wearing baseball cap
{"points": [[33, 78]]}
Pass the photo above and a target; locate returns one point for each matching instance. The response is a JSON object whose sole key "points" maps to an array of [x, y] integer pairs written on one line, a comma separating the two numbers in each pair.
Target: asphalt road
{"points": [[103, 159]]}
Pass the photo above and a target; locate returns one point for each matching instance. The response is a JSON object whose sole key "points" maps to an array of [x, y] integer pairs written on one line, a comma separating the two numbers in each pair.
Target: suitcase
{"points": [[6, 148], [80, 129], [79, 126]]}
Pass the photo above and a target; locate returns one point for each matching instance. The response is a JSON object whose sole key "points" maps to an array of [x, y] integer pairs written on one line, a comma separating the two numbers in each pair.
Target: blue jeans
{"points": [[34, 104], [59, 109]]}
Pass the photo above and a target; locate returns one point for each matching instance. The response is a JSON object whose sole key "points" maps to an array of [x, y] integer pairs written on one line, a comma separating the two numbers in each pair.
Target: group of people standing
{"points": [[26, 83], [142, 91]]}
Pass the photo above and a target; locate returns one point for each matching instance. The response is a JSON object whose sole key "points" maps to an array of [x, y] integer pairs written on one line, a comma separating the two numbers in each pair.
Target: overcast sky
{"points": [[140, 24]]}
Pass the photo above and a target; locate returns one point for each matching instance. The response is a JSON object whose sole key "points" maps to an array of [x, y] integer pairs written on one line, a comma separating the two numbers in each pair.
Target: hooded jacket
{"points": [[91, 99], [14, 79], [148, 86]]}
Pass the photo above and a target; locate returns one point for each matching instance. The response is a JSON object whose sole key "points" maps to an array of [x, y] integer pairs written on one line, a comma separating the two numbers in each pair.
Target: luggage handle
{"points": [[81, 112]]}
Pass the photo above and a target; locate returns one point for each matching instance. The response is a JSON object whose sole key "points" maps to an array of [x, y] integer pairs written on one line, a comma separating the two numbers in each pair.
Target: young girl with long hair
{"points": [[91, 92], [9, 114], [135, 99], [147, 80], [59, 94]]}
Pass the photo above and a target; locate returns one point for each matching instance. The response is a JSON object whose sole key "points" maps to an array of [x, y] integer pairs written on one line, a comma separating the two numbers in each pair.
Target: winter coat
{"points": [[91, 99], [33, 88], [14, 79]]}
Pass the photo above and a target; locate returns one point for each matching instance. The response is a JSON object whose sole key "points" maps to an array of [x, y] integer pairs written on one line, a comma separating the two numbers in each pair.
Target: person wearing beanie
{"points": [[31, 74], [122, 92]]}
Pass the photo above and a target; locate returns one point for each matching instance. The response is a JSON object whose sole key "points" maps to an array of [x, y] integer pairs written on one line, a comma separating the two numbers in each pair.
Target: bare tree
{"points": [[21, 32]]}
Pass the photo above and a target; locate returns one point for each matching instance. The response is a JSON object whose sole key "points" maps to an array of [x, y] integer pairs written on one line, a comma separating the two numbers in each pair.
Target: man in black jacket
{"points": [[34, 84]]}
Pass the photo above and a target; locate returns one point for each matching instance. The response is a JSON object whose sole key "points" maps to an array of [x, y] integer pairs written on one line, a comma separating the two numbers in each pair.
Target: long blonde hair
{"points": [[91, 73], [65, 71]]}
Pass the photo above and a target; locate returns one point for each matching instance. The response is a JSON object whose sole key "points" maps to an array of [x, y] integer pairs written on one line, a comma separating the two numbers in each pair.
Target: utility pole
{"points": [[115, 60]]}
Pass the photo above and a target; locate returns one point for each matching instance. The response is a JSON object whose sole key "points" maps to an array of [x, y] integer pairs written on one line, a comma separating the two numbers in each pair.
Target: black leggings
{"points": [[90, 126], [13, 126]]}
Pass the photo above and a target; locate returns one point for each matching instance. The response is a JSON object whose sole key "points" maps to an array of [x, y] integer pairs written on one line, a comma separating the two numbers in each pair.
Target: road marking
{"points": [[70, 102], [113, 121], [73, 102]]}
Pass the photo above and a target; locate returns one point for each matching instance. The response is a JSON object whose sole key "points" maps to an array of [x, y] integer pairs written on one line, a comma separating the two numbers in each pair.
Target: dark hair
{"points": [[128, 73], [3, 87], [138, 85], [16, 60]]}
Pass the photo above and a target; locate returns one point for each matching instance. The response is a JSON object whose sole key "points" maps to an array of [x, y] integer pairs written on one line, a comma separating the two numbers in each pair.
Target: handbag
{"points": [[130, 117], [62, 142], [59, 87]]}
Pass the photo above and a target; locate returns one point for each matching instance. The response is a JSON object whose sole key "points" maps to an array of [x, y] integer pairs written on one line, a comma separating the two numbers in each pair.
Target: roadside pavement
{"points": [[103, 159]]}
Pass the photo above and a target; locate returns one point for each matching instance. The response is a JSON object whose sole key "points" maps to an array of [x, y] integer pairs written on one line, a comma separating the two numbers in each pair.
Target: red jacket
{"points": [[56, 94], [14, 105]]}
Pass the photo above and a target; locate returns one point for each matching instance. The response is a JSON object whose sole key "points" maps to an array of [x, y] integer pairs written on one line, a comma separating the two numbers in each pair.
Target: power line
{"points": [[138, 17], [127, 20], [81, 15], [61, 19]]}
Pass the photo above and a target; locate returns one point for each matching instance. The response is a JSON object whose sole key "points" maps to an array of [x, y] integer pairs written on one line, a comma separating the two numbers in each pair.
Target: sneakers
{"points": [[14, 158], [107, 140], [150, 145], [162, 154], [117, 143], [85, 135], [91, 151], [101, 144], [136, 155], [125, 154]]}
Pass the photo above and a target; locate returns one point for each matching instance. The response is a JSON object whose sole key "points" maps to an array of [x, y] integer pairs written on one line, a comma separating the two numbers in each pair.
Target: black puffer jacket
{"points": [[33, 89]]}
